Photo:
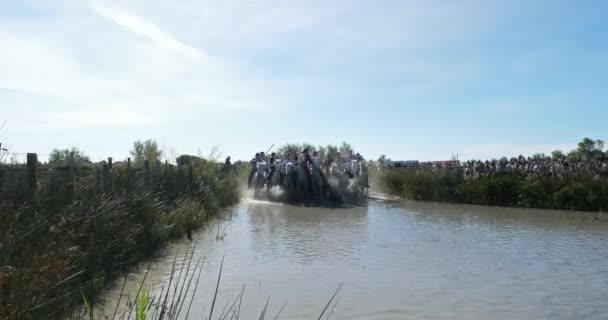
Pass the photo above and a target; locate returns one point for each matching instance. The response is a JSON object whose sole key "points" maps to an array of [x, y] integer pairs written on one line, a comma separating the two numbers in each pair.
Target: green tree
{"points": [[147, 150], [345, 148], [186, 159], [539, 156], [572, 154], [63, 156], [290, 149], [332, 151], [322, 151], [590, 148], [308, 146], [557, 155]]}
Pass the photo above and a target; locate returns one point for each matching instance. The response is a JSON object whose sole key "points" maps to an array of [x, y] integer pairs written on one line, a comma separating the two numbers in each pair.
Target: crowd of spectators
{"points": [[530, 167], [536, 167]]}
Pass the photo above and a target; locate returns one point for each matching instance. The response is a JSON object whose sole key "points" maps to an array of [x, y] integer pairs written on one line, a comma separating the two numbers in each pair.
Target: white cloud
{"points": [[87, 72], [142, 27]]}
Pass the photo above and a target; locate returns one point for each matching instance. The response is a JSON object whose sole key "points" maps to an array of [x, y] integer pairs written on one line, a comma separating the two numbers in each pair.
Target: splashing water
{"points": [[334, 182], [276, 192]]}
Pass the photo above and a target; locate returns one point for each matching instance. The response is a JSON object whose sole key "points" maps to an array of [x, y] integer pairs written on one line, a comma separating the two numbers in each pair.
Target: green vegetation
{"points": [[324, 151], [147, 150], [590, 148], [64, 156], [586, 149], [72, 232], [582, 187], [507, 189], [175, 299]]}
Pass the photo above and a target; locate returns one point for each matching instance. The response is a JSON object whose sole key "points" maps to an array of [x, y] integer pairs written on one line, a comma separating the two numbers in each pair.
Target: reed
{"points": [[166, 304], [507, 189], [75, 234]]}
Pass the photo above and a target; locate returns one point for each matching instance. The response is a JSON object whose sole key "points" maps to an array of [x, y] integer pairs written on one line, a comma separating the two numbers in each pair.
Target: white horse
{"points": [[358, 180], [261, 176], [363, 179]]}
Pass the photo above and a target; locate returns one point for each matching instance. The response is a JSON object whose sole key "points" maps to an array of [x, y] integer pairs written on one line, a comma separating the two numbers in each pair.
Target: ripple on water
{"points": [[409, 261]]}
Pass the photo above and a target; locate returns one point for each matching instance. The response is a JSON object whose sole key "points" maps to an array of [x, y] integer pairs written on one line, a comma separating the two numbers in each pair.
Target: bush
{"points": [[507, 189]]}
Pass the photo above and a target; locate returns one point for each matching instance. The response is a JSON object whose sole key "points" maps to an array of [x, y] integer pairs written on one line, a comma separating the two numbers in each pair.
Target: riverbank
{"points": [[77, 231], [506, 189]]}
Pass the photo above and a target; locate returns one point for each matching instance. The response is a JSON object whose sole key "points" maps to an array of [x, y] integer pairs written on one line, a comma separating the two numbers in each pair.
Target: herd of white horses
{"points": [[310, 182]]}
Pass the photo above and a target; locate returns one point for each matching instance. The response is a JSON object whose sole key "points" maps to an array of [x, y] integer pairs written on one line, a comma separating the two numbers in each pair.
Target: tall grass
{"points": [[507, 189], [175, 300], [75, 235]]}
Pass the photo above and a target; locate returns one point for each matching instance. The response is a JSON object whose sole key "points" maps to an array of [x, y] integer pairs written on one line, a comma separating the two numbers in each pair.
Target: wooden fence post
{"points": [[147, 170], [111, 181], [32, 166], [97, 179], [72, 162], [157, 170], [129, 178], [71, 186], [72, 158], [106, 177], [179, 177]]}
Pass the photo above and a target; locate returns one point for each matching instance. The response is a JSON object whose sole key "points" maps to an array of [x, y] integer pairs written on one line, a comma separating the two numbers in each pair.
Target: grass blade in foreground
{"points": [[330, 301]]}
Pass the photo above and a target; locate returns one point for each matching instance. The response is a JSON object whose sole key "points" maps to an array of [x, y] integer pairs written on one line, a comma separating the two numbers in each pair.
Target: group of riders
{"points": [[303, 176]]}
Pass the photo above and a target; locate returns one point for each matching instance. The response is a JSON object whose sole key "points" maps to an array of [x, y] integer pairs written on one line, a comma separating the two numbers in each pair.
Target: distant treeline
{"points": [[75, 227], [332, 151], [507, 189]]}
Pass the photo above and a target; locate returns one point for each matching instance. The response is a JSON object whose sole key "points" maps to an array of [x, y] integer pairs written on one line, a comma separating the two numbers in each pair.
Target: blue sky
{"points": [[418, 79]]}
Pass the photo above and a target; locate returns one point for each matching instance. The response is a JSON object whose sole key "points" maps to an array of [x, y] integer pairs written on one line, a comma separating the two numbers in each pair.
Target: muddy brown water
{"points": [[401, 261]]}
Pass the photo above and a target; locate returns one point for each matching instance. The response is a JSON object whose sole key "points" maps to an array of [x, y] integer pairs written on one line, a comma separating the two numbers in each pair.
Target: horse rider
{"points": [[304, 164], [227, 168], [317, 165], [254, 168], [327, 164], [316, 160], [283, 167], [272, 163]]}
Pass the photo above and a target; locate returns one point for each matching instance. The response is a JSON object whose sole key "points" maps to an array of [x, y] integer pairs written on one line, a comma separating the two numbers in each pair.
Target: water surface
{"points": [[403, 261]]}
